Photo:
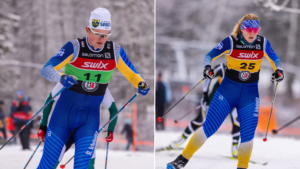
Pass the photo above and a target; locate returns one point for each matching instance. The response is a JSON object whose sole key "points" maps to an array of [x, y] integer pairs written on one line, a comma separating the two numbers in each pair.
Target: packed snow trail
{"points": [[12, 157], [279, 152]]}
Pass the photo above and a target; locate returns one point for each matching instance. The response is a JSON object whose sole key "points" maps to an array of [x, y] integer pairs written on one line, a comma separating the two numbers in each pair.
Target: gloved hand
{"points": [[109, 136], [68, 80], [42, 133], [277, 76], [143, 88], [208, 72]]}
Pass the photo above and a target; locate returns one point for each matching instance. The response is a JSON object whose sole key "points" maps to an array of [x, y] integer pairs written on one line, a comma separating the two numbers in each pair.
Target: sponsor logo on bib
{"points": [[95, 65], [89, 86], [248, 55], [244, 75]]}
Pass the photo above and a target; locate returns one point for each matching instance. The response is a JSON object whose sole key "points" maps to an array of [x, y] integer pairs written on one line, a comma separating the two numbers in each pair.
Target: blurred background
{"points": [[187, 30], [32, 31]]}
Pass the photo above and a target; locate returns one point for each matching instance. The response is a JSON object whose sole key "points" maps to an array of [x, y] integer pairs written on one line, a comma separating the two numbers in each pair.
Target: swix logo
{"points": [[248, 55], [95, 65]]}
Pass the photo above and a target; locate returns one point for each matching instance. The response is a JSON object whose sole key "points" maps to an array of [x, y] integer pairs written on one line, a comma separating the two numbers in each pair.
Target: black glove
{"points": [[204, 100], [208, 72], [277, 76]]}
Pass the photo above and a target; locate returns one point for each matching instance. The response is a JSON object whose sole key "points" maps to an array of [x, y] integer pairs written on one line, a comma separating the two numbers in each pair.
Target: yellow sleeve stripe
{"points": [[63, 63], [226, 52], [271, 61], [132, 77], [220, 80]]}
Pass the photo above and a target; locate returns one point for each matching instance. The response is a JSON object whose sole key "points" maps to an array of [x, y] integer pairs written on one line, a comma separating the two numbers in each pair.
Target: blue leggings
{"points": [[229, 95], [77, 112]]}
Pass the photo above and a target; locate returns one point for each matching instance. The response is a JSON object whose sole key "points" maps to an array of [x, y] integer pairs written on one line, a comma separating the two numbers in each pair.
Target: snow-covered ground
{"points": [[11, 157], [280, 153]]}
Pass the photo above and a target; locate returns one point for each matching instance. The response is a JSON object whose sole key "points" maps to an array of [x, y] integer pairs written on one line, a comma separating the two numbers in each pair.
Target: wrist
{"points": [[44, 128]]}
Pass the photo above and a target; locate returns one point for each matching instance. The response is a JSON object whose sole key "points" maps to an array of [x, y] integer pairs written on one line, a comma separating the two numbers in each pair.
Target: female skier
{"points": [[244, 51]]}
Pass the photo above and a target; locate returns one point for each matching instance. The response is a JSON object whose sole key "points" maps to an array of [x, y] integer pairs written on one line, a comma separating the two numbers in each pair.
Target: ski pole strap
{"points": [[271, 109], [32, 154], [106, 155], [33, 117], [182, 98]]}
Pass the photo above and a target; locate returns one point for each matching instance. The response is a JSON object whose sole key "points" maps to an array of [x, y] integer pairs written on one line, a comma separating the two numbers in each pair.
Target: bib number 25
{"points": [[244, 66]]}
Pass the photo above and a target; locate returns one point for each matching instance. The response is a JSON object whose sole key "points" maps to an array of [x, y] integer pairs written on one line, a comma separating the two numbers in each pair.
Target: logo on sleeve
{"points": [[60, 53], [219, 46]]}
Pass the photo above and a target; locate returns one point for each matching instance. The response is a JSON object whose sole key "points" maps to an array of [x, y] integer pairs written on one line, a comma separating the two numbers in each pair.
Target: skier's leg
{"points": [[92, 161], [194, 124], [58, 132], [54, 142], [218, 111], [85, 139], [235, 132], [247, 109], [191, 128], [66, 147]]}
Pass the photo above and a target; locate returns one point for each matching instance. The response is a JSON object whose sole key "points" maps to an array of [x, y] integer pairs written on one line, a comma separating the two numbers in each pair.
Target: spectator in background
{"points": [[20, 114], [30, 125], [128, 130], [2, 117], [11, 128], [163, 96]]}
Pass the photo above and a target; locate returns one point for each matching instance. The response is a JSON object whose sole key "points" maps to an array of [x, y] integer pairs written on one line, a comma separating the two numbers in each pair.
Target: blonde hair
{"points": [[237, 27]]}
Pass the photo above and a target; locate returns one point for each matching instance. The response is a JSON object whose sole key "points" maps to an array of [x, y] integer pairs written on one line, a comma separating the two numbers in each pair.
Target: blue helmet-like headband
{"points": [[250, 24]]}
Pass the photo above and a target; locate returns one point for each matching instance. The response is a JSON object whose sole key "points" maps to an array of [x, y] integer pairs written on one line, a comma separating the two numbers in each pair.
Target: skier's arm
{"points": [[222, 48], [58, 61], [271, 56], [108, 100], [127, 69]]}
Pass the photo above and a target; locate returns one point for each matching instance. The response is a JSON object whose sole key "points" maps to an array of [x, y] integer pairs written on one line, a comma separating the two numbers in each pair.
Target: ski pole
{"points": [[106, 155], [32, 154], [265, 139], [160, 118], [196, 108], [284, 126], [64, 165], [33, 117]]}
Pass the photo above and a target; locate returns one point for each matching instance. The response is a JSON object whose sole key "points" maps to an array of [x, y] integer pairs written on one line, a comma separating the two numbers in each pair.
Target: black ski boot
{"points": [[178, 163]]}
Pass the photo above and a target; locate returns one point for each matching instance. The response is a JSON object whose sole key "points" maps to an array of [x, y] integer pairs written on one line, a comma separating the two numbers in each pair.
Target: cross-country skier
{"points": [[92, 60], [108, 100], [244, 51], [205, 102]]}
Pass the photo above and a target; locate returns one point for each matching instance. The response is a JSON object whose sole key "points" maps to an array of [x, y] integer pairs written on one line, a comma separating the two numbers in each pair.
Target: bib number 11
{"points": [[88, 76]]}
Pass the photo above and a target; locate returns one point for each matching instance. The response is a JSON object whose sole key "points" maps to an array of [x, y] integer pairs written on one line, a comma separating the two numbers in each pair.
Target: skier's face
{"points": [[95, 39], [249, 37]]}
